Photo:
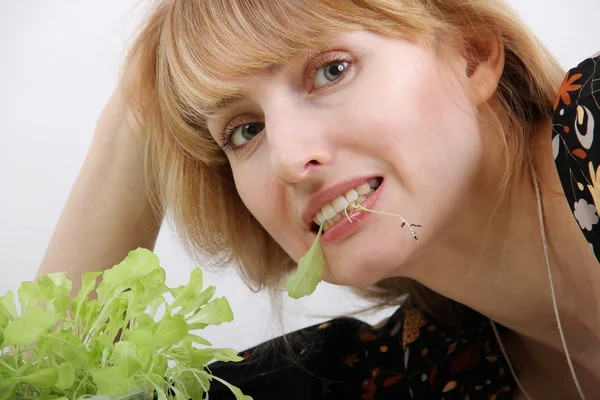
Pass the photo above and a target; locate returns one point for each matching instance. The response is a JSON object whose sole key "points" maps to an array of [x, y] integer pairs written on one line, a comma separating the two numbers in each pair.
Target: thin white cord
{"points": [[512, 370], [554, 302]]}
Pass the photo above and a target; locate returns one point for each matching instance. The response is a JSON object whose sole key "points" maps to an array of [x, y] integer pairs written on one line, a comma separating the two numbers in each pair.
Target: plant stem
{"points": [[2, 362], [360, 207]]}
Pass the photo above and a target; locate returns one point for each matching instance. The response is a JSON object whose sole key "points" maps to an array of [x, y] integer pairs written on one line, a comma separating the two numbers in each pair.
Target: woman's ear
{"points": [[484, 69]]}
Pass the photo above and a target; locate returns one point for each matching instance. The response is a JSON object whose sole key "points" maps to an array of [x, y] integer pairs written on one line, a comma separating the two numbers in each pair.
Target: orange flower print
{"points": [[392, 380], [369, 387], [579, 153], [413, 321], [350, 360], [566, 87], [465, 361], [366, 336], [433, 375]]}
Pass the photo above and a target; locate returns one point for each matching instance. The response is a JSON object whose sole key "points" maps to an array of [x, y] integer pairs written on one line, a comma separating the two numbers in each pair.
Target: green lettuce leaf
{"points": [[191, 385], [66, 376], [305, 279], [43, 379], [214, 312], [169, 331], [185, 295], [29, 327], [227, 355], [235, 390], [8, 308], [29, 295], [6, 389], [110, 381], [88, 284], [136, 265], [54, 285], [199, 340], [126, 358], [149, 288]]}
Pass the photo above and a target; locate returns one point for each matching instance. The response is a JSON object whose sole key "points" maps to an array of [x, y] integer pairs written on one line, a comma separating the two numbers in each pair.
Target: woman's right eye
{"points": [[239, 136]]}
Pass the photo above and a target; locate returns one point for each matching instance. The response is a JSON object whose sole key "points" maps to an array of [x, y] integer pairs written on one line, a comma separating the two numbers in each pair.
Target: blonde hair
{"points": [[179, 65]]}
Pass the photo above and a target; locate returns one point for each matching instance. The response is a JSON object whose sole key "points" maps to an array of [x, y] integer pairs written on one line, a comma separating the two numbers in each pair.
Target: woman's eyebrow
{"points": [[224, 103], [230, 99]]}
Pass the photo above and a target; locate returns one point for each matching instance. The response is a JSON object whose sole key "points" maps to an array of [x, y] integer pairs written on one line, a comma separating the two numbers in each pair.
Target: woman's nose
{"points": [[298, 145]]}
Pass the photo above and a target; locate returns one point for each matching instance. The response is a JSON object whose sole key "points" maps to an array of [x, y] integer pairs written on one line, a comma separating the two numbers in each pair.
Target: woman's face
{"points": [[367, 110]]}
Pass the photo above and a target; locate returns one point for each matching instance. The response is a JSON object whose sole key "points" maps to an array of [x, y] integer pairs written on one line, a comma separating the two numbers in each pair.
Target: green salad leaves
{"points": [[58, 347]]}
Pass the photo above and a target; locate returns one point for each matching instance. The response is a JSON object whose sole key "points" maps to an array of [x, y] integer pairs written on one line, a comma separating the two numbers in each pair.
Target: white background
{"points": [[59, 63]]}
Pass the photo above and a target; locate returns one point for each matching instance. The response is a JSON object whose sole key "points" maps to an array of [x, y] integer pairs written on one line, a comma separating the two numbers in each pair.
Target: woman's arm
{"points": [[108, 212]]}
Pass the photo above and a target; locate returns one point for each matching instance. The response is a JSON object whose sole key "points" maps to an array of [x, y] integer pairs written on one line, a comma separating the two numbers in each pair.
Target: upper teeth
{"points": [[332, 211]]}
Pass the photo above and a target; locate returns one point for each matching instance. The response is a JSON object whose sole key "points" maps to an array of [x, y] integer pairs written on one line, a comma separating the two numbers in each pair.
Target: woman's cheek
{"points": [[265, 198]]}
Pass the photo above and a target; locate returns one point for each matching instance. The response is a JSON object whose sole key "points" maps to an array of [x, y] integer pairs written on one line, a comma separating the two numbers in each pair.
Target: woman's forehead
{"points": [[235, 42], [211, 50]]}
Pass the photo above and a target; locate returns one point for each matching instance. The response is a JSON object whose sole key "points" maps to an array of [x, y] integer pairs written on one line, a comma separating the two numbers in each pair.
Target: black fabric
{"points": [[576, 150], [409, 357], [412, 356]]}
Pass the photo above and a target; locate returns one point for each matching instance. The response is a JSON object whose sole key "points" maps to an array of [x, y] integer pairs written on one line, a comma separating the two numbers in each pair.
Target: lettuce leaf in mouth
{"points": [[58, 347], [303, 282]]}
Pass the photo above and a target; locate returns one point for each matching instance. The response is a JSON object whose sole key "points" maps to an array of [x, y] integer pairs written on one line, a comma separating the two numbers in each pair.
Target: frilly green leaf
{"points": [[214, 312], [110, 381], [169, 331], [136, 265], [125, 357], [7, 306], [29, 327], [29, 295]]}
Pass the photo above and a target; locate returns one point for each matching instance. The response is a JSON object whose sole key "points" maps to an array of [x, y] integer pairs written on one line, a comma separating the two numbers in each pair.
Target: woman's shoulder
{"points": [[575, 145], [410, 355]]}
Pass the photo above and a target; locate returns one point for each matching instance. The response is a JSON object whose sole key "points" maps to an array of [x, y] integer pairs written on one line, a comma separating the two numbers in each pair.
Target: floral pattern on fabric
{"points": [[410, 356], [577, 156]]}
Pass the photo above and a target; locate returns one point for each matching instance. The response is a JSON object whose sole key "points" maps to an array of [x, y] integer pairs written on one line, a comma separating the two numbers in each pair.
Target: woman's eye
{"points": [[245, 133], [329, 73]]}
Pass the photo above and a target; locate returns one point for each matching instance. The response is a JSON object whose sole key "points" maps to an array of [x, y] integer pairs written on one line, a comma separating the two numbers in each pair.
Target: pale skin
{"points": [[399, 113]]}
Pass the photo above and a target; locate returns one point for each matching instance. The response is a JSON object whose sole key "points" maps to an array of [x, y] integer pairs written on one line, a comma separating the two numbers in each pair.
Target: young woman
{"points": [[414, 141]]}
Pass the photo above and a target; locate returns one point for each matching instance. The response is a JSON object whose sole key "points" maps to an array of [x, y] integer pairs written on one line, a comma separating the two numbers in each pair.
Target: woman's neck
{"points": [[574, 268], [503, 273], [575, 273]]}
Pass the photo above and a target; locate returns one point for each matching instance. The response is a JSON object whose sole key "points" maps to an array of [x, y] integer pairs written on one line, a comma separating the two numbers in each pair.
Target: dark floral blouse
{"points": [[576, 152], [411, 355]]}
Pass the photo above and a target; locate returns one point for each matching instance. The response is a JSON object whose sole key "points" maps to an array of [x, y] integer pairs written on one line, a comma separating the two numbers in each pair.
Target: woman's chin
{"points": [[352, 276], [371, 264]]}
